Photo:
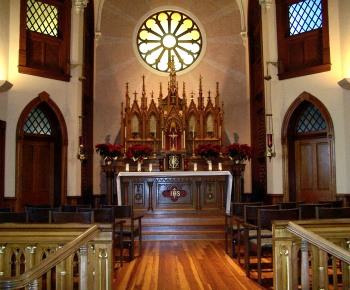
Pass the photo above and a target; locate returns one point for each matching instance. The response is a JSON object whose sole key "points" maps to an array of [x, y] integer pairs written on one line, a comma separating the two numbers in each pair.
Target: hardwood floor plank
{"points": [[192, 264]]}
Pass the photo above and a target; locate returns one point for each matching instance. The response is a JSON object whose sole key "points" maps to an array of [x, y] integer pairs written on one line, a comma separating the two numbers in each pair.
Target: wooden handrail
{"points": [[51, 261], [319, 242]]}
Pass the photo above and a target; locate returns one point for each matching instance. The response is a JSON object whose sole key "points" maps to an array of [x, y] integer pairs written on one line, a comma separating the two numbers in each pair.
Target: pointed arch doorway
{"points": [[41, 161], [308, 147]]}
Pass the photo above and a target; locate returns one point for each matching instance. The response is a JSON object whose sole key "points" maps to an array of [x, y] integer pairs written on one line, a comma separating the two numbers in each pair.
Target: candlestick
{"points": [[127, 167], [150, 167], [194, 166], [220, 166]]}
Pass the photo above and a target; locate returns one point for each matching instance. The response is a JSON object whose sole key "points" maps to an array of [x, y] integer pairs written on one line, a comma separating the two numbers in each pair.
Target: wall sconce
{"points": [[345, 83], [5, 86], [82, 154]]}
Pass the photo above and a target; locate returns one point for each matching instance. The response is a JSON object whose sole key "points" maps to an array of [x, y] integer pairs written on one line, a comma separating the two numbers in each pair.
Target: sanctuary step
{"points": [[192, 226]]}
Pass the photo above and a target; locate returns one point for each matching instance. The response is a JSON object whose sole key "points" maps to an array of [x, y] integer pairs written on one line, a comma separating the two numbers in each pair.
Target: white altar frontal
{"points": [[178, 191]]}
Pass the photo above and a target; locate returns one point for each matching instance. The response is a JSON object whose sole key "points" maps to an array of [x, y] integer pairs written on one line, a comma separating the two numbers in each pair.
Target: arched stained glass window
{"points": [[311, 120], [37, 123], [169, 33]]}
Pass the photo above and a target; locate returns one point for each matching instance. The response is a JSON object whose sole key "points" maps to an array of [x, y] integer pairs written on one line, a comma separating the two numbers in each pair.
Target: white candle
{"points": [[194, 166], [150, 167], [210, 166], [220, 166], [127, 167]]}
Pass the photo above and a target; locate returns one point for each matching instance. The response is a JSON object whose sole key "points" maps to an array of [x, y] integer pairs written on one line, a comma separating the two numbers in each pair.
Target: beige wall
{"points": [[224, 62]]}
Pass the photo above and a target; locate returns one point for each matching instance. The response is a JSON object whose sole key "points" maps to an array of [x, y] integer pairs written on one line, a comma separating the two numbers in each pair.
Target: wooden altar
{"points": [[161, 192]]}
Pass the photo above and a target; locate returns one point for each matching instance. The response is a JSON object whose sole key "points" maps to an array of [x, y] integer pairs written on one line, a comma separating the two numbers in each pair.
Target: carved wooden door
{"points": [[37, 172], [313, 170]]}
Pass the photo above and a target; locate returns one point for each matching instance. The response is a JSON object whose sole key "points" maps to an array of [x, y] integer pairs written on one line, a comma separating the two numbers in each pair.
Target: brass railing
{"points": [[56, 256], [311, 254]]}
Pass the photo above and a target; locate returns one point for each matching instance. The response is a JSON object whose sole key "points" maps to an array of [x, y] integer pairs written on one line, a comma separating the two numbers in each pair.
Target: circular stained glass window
{"points": [[166, 34]]}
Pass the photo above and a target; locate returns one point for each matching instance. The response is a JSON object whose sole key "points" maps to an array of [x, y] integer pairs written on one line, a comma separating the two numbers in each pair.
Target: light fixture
{"points": [[82, 154], [5, 86], [270, 138], [345, 83], [266, 4], [80, 5]]}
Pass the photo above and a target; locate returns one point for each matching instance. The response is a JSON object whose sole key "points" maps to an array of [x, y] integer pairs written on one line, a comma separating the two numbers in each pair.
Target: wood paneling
{"points": [[313, 170]]}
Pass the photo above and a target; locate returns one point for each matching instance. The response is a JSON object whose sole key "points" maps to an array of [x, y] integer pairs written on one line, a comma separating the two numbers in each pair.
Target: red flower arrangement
{"points": [[208, 151], [239, 151], [138, 152], [108, 150]]}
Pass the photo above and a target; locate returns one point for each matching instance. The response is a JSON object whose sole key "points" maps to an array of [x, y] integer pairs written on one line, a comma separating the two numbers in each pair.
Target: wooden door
{"points": [[37, 172], [313, 170]]}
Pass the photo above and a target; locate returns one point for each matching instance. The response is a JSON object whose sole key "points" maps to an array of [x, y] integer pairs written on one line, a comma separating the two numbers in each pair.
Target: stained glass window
{"points": [[37, 123], [169, 33], [310, 120], [305, 16], [42, 18]]}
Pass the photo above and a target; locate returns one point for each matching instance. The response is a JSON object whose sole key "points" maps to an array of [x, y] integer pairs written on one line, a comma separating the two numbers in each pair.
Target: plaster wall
{"points": [[323, 86], [224, 62], [26, 87]]}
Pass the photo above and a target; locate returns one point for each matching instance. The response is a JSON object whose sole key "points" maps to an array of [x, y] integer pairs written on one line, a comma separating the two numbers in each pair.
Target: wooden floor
{"points": [[191, 264]]}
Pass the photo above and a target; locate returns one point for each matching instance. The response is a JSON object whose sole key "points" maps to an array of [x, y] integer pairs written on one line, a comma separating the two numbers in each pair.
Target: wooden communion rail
{"points": [[311, 254], [56, 256]]}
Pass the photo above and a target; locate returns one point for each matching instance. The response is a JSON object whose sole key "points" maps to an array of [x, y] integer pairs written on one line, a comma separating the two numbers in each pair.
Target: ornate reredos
{"points": [[172, 124]]}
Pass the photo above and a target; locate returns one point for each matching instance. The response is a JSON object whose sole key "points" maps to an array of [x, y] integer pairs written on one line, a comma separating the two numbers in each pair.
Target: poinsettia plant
{"points": [[208, 151], [107, 150], [138, 152], [239, 151]]}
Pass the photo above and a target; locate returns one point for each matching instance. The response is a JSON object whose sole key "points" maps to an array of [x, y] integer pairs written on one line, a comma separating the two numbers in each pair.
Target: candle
{"points": [[269, 140], [127, 167], [150, 167], [220, 166], [210, 165], [194, 166]]}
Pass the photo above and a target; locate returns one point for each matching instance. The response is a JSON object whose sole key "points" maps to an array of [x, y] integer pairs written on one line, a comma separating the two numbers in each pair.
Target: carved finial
{"points": [[209, 92], [152, 95], [217, 97], [135, 94], [192, 95]]}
